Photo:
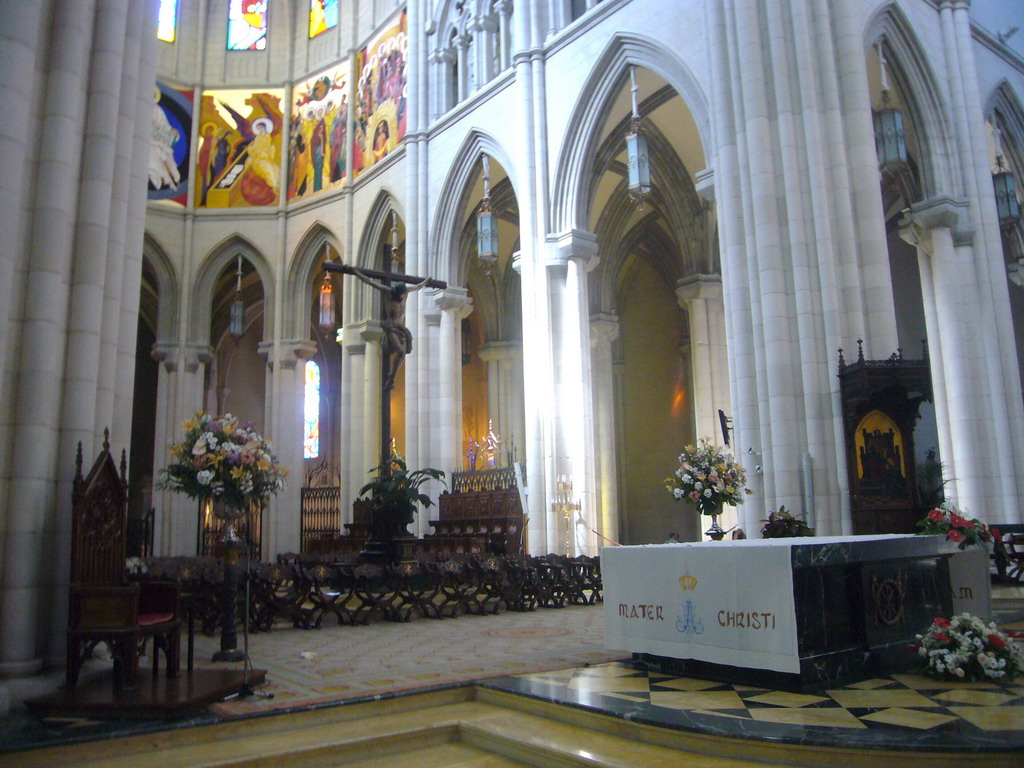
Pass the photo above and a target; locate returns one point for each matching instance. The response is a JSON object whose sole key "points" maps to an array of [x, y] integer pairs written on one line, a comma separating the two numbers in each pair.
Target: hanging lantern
{"points": [[1007, 203], [638, 157], [236, 326], [236, 320], [486, 226], [486, 235], [890, 143], [326, 302]]}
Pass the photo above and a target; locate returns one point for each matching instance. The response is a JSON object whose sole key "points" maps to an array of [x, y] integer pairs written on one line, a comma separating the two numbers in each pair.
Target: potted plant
{"points": [[394, 493], [708, 478], [784, 525]]}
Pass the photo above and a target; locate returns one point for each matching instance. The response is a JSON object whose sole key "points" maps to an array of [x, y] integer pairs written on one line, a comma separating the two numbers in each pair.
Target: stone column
{"points": [[454, 304], [573, 254], [504, 9], [504, 390], [360, 410], [962, 390], [282, 522], [179, 397], [604, 330], [462, 57]]}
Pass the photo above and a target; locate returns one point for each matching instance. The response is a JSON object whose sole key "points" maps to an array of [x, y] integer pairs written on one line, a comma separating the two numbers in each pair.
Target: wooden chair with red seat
{"points": [[103, 607]]}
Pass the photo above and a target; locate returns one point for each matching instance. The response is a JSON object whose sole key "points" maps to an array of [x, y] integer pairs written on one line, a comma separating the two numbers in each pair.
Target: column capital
{"points": [[355, 335], [943, 212], [706, 287], [705, 185], [573, 245], [603, 328], [188, 355], [289, 352], [455, 300]]}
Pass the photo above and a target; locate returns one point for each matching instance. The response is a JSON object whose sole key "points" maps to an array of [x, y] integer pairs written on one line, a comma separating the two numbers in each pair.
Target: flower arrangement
{"points": [[947, 520], [222, 459], [966, 648], [135, 567], [784, 525], [708, 478]]}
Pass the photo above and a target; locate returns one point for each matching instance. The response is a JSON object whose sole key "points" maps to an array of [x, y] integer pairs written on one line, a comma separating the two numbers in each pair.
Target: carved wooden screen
{"points": [[98, 518]]}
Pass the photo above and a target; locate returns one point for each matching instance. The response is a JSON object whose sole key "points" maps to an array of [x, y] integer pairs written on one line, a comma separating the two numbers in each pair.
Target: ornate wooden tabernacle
{"points": [[881, 402]]}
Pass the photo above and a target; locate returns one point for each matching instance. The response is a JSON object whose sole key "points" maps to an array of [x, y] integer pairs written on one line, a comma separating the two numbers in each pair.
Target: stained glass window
{"points": [[323, 15], [167, 20], [247, 25], [311, 412]]}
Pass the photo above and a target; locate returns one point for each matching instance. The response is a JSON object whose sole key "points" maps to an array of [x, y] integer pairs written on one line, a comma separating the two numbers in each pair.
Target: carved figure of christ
{"points": [[396, 339]]}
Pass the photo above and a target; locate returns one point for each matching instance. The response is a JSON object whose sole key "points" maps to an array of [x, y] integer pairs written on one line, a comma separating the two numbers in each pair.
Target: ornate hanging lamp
{"points": [[326, 298], [1007, 202], [639, 160], [236, 320], [486, 226], [890, 141]]}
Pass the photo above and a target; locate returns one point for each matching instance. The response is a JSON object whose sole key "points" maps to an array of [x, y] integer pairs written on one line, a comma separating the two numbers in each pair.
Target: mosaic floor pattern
{"points": [[901, 711]]}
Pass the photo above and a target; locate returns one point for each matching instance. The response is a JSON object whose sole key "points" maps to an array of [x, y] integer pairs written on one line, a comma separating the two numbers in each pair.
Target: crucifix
{"points": [[396, 340]]}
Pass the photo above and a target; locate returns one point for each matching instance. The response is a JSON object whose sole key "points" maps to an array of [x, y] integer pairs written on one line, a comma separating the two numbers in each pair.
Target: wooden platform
{"points": [[154, 698]]}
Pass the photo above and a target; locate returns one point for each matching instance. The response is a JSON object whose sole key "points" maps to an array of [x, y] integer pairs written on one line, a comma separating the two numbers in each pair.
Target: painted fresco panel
{"points": [[169, 157], [381, 93], [239, 153], [317, 157]]}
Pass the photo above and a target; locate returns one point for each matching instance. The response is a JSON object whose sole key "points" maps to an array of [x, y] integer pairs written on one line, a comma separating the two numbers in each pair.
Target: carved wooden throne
{"points": [[103, 607]]}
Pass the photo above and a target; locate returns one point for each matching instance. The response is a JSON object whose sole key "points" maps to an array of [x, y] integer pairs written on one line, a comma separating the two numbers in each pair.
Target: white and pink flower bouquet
{"points": [[707, 478], [221, 459], [966, 648]]}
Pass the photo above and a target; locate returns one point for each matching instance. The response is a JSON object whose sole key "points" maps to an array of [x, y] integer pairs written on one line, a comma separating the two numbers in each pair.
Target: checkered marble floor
{"points": [[897, 712]]}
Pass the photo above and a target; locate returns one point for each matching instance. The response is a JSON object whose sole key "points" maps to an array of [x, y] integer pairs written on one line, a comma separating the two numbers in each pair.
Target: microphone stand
{"points": [[246, 690]]}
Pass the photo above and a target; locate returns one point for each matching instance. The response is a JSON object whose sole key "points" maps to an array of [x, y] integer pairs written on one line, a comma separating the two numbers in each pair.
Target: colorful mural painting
{"points": [[239, 149], [169, 159], [317, 157], [380, 108]]}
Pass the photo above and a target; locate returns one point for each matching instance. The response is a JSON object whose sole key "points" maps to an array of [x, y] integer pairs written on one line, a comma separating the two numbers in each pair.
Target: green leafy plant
{"points": [[784, 525], [397, 489]]}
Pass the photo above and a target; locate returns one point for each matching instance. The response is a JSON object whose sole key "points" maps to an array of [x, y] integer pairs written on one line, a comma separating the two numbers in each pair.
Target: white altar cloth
{"points": [[727, 602]]}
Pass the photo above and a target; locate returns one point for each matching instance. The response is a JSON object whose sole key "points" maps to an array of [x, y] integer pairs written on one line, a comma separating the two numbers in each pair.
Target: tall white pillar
{"points": [[179, 397], [604, 330], [505, 391], [573, 255], [282, 519]]}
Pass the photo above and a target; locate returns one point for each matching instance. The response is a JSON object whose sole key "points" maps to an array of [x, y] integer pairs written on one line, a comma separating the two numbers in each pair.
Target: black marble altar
{"points": [[860, 605]]}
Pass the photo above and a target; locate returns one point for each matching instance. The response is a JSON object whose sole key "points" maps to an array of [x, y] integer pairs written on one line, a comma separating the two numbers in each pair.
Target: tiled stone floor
{"points": [[897, 712]]}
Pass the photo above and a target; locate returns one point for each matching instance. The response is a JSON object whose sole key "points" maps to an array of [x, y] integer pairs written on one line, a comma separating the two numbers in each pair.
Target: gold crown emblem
{"points": [[688, 582]]}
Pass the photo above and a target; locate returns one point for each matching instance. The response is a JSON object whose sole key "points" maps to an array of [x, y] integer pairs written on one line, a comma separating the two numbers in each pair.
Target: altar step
{"points": [[462, 727]]}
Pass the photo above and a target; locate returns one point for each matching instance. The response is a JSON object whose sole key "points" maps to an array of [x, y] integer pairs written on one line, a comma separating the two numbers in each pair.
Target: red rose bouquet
{"points": [[946, 520]]}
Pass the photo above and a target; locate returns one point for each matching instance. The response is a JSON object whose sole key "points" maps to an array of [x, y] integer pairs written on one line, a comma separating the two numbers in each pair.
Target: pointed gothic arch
{"points": [[570, 199], [927, 114], [168, 286], [451, 202], [302, 274], [210, 268]]}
